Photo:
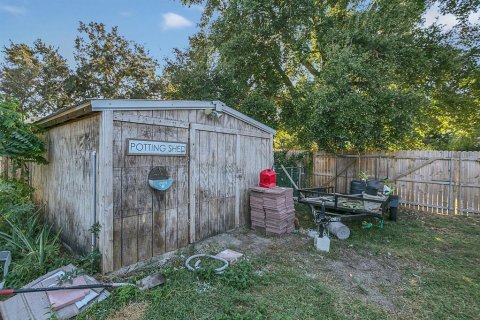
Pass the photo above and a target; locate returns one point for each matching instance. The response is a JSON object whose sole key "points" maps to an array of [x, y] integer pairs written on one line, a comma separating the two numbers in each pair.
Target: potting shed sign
{"points": [[150, 147]]}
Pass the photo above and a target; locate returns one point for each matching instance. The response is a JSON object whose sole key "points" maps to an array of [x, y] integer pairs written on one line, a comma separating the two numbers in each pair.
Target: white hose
{"points": [[197, 267]]}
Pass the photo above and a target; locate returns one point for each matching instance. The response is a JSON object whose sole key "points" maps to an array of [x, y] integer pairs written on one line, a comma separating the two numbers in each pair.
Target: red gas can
{"points": [[268, 178]]}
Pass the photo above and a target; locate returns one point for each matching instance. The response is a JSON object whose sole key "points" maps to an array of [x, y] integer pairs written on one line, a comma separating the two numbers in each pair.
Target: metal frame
{"points": [[336, 213]]}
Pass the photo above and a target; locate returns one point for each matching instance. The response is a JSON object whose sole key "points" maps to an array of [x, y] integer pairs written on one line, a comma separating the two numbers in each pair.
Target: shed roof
{"points": [[96, 105]]}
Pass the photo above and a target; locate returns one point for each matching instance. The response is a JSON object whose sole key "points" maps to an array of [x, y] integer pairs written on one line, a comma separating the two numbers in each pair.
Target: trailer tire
{"points": [[393, 213]]}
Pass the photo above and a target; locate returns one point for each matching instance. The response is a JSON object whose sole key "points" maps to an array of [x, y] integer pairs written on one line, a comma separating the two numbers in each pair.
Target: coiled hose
{"points": [[197, 267]]}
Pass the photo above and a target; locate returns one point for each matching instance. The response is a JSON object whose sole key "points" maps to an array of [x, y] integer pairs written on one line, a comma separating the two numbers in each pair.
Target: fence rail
{"points": [[446, 182]]}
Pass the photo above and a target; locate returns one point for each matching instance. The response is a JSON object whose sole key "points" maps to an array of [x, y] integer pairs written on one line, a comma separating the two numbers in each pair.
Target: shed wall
{"points": [[209, 193], [65, 185]]}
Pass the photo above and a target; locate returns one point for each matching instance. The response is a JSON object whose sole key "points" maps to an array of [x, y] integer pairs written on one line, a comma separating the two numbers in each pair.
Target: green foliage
{"points": [[18, 140], [363, 175], [239, 276], [375, 274], [37, 76], [344, 75], [118, 299], [290, 159], [109, 66], [90, 263], [35, 249], [14, 200]]}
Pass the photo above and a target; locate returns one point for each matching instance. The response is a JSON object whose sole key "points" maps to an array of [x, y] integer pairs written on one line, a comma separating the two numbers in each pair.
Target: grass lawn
{"points": [[422, 267]]}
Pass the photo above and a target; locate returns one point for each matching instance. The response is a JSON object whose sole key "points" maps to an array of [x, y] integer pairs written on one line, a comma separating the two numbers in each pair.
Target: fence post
{"points": [[336, 173], [460, 200], [450, 186], [299, 169]]}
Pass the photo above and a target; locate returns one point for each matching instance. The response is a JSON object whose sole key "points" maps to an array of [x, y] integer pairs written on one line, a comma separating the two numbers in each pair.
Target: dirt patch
{"points": [[372, 277], [375, 279], [132, 311], [243, 240]]}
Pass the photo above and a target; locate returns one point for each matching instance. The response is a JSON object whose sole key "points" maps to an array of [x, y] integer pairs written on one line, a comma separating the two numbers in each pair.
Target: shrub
{"points": [[35, 249]]}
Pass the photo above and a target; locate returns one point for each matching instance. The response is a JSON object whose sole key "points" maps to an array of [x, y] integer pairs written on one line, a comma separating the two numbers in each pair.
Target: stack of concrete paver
{"points": [[272, 209]]}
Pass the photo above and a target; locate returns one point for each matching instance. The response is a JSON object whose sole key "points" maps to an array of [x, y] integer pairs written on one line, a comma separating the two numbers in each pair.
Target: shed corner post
{"points": [[192, 164], [105, 190]]}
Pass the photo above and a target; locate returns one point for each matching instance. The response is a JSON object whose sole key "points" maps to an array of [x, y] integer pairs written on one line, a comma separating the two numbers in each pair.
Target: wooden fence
{"points": [[445, 182], [9, 171]]}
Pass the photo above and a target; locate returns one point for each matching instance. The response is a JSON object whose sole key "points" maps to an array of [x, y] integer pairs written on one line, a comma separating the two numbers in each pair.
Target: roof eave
{"points": [[98, 105], [62, 116]]}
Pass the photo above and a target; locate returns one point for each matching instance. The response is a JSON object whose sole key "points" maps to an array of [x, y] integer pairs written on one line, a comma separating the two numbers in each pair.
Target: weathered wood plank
{"points": [[258, 134], [140, 119], [117, 243], [144, 236], [171, 229], [238, 179], [117, 192], [118, 145], [212, 183], [158, 222], [192, 185], [171, 210], [129, 131], [129, 192], [230, 180], [182, 206], [221, 182], [129, 240], [202, 193], [105, 190]]}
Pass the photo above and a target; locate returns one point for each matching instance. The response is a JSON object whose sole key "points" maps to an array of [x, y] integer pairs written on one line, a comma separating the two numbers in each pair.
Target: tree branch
{"points": [[314, 72]]}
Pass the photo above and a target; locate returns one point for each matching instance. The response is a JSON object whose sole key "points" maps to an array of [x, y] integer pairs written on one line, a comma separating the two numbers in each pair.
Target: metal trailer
{"points": [[328, 206]]}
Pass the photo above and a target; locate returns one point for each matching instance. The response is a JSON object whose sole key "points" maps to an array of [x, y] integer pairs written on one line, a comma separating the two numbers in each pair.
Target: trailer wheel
{"points": [[393, 213]]}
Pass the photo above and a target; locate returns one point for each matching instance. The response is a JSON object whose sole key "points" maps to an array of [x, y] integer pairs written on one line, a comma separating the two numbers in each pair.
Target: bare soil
{"points": [[374, 279], [132, 311]]}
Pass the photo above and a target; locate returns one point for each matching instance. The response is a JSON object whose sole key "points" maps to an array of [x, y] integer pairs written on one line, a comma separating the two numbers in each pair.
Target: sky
{"points": [[160, 25]]}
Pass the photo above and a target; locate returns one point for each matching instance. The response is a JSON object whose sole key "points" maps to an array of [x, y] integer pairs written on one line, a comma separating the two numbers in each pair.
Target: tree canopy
{"points": [[18, 139], [106, 66], [350, 74], [36, 76], [343, 74], [109, 66]]}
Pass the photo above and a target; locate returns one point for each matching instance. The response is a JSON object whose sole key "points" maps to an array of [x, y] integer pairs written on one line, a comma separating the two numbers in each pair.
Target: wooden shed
{"points": [[155, 175]]}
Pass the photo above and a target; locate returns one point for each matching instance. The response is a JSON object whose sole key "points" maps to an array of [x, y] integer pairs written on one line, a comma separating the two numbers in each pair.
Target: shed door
{"points": [[213, 174], [224, 163]]}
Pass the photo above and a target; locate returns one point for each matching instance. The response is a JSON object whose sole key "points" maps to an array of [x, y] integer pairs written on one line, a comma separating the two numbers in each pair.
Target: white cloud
{"points": [[14, 10], [474, 17], [175, 21], [125, 14], [433, 13]]}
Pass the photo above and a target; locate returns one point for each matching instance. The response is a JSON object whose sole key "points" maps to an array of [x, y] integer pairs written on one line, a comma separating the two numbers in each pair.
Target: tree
{"points": [[18, 139], [330, 71], [36, 76], [109, 66], [344, 74], [452, 120]]}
